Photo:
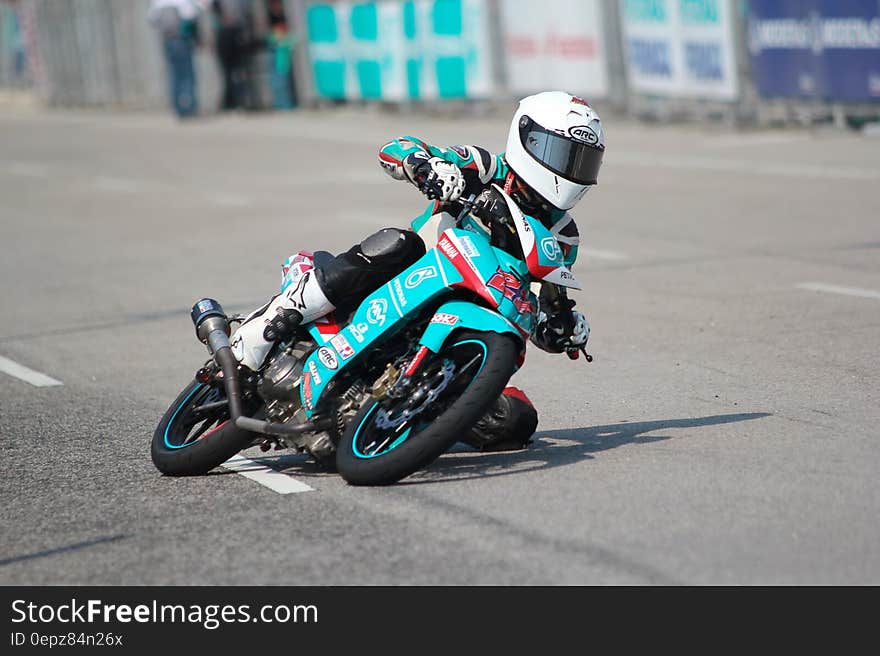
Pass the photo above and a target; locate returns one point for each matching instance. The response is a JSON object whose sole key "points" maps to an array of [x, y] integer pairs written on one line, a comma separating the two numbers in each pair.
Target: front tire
{"points": [[189, 444], [372, 451]]}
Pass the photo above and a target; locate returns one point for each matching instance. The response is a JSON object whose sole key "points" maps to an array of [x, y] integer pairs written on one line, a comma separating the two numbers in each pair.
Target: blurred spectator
{"points": [[13, 63], [177, 23], [280, 42], [233, 31]]}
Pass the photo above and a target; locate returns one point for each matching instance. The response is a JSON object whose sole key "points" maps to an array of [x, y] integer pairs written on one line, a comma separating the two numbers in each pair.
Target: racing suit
{"points": [[512, 420]]}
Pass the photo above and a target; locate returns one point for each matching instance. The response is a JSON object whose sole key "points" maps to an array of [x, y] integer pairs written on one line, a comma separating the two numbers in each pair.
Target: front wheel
{"points": [[195, 435], [386, 442]]}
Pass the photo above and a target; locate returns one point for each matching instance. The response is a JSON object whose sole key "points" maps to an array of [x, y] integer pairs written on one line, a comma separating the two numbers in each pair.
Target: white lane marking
{"points": [[748, 167], [21, 372], [834, 289], [758, 139], [274, 480], [27, 169], [603, 255], [123, 185], [230, 200]]}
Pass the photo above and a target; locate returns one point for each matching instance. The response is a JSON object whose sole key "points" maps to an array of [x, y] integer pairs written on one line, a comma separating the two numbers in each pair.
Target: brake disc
{"points": [[384, 418]]}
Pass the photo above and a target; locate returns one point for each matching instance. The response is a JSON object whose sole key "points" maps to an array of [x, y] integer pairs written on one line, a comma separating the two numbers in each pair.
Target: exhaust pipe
{"points": [[212, 329]]}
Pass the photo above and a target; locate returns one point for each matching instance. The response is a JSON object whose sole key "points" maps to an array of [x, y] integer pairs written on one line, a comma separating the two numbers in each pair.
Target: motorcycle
{"points": [[384, 392]]}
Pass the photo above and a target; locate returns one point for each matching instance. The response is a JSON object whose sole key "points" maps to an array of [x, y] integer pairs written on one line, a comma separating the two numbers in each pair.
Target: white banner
{"points": [[680, 48], [393, 51], [554, 45]]}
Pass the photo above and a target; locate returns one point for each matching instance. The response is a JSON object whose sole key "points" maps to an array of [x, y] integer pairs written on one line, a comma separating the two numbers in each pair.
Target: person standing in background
{"points": [[177, 23], [280, 42], [234, 37]]}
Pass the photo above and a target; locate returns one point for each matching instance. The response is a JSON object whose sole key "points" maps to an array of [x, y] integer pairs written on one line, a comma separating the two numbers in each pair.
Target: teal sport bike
{"points": [[382, 393]]}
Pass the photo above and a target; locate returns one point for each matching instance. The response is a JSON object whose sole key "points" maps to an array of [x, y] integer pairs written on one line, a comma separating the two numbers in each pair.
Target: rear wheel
{"points": [[195, 435], [387, 441]]}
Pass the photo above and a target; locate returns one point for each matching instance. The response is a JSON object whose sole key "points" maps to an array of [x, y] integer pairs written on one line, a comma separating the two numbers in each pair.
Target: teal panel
{"points": [[446, 16], [646, 11], [330, 78], [468, 315], [321, 22], [364, 24], [451, 77], [409, 19], [413, 73], [369, 75], [700, 12]]}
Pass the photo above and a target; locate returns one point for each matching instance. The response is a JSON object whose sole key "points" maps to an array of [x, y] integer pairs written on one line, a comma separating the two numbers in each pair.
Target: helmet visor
{"points": [[573, 160]]}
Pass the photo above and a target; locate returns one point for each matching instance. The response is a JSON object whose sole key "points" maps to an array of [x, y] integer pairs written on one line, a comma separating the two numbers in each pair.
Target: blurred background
{"points": [[743, 61]]}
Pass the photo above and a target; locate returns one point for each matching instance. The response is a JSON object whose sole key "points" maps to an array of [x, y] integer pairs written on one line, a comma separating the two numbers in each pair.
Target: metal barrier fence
{"points": [[740, 59]]}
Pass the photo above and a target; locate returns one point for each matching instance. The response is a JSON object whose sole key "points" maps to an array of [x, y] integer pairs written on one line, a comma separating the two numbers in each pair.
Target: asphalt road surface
{"points": [[726, 433]]}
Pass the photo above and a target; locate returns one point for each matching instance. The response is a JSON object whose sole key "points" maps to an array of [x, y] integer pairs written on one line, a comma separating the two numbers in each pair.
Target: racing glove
{"points": [[557, 333], [435, 177]]}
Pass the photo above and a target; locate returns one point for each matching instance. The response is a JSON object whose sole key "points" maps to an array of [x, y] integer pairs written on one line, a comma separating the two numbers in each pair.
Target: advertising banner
{"points": [[394, 51], [680, 48], [820, 49], [556, 45]]}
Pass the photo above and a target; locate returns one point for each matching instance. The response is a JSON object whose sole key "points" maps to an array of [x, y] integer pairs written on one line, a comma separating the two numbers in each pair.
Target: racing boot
{"points": [[302, 299], [507, 426]]}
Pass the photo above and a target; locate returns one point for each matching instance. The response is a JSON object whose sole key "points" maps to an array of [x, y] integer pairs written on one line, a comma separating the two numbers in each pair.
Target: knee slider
{"points": [[392, 247]]}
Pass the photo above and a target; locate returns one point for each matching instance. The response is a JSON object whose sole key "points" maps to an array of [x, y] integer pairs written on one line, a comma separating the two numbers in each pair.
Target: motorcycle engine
{"points": [[279, 385]]}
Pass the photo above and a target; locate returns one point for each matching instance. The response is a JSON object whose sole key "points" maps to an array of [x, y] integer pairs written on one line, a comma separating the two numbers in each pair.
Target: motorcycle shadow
{"points": [[555, 448]]}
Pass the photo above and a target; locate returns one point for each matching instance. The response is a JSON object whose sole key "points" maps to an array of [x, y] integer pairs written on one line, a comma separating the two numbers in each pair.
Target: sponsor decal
{"points": [[467, 246], [328, 357], [398, 291], [447, 248], [377, 311], [237, 347], [565, 274], [445, 319], [307, 389], [583, 133], [313, 370], [357, 331], [418, 276], [512, 288], [342, 347], [461, 150], [204, 306], [298, 288], [551, 248]]}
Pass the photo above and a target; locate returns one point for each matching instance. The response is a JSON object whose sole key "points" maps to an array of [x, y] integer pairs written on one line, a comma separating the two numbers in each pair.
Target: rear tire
{"points": [[216, 439], [432, 435]]}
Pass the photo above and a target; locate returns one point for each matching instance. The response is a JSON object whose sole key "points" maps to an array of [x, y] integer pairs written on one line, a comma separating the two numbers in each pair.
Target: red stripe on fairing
{"points": [[327, 325], [538, 270], [471, 165], [471, 280]]}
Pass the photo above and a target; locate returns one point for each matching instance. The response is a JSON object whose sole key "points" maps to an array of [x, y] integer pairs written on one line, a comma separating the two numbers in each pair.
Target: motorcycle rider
{"points": [[554, 151]]}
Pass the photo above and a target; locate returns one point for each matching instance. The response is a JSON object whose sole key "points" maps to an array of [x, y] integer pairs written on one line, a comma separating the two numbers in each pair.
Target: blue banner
{"points": [[817, 49]]}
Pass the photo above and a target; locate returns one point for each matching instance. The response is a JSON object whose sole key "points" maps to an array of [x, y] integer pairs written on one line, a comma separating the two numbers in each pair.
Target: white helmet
{"points": [[555, 146]]}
